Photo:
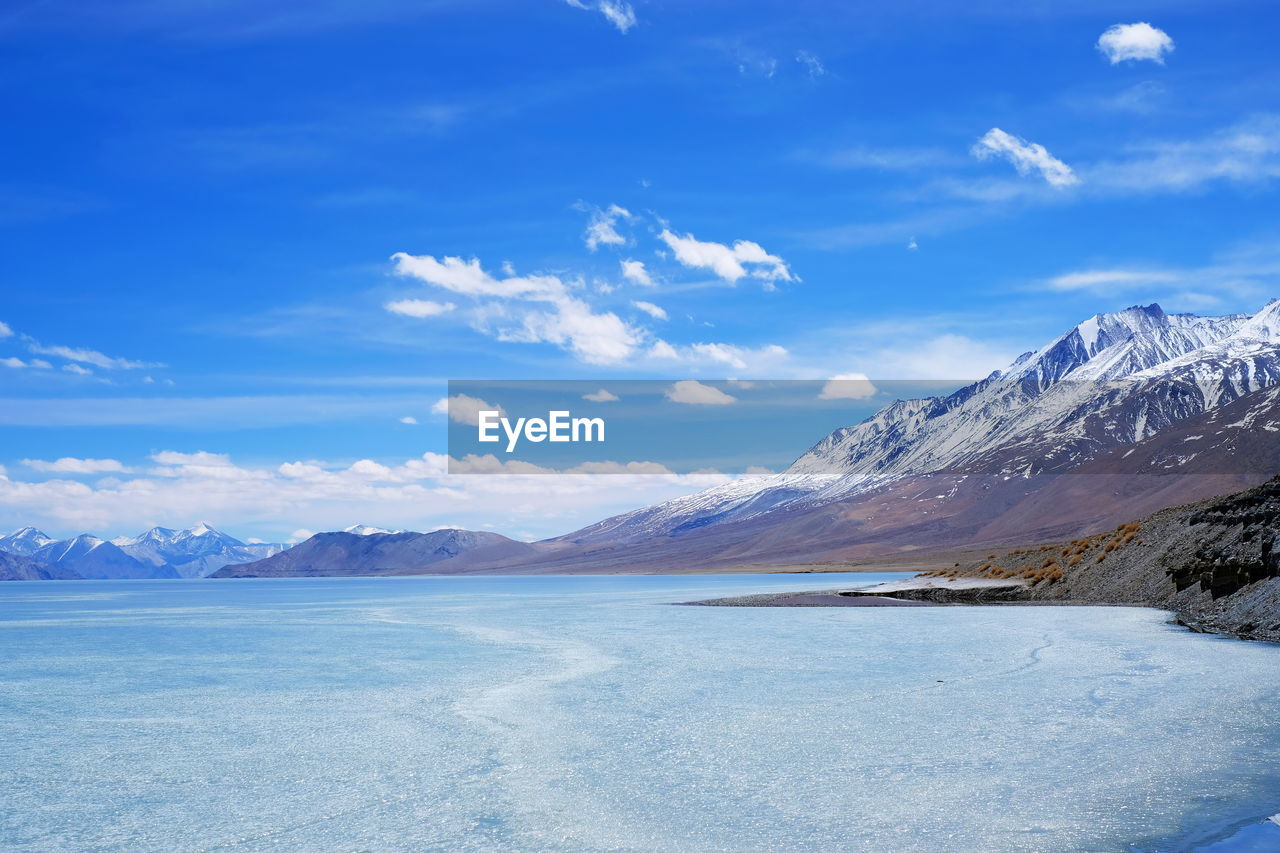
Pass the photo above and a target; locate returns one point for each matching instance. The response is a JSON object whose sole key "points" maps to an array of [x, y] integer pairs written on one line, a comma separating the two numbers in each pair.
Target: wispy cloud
{"points": [[17, 363], [1106, 280], [602, 225], [812, 64], [617, 12], [1026, 157], [419, 308], [93, 357], [654, 311], [763, 361], [1245, 273], [886, 159], [1244, 153], [71, 465]]}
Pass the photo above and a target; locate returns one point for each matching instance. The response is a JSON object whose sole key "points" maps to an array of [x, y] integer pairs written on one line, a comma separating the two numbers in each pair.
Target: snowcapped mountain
{"points": [[91, 557], [1108, 385], [366, 530], [24, 542], [196, 552], [159, 553]]}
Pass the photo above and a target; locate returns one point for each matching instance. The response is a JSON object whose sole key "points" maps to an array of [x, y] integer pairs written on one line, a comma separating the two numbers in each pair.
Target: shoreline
{"points": [[923, 591]]}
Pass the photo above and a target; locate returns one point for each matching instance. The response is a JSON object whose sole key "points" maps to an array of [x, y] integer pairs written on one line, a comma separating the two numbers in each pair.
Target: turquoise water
{"points": [[560, 713]]}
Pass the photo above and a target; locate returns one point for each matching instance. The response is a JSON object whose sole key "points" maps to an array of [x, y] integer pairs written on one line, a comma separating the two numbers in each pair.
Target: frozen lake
{"points": [[558, 713]]}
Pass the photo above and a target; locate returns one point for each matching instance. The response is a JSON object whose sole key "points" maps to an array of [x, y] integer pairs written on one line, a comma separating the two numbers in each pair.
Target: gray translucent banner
{"points": [[859, 426]]}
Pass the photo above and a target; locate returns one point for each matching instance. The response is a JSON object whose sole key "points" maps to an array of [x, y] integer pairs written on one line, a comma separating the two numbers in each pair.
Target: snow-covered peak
{"points": [[71, 548], [28, 533], [366, 530], [25, 541], [1263, 326], [1120, 344], [202, 529]]}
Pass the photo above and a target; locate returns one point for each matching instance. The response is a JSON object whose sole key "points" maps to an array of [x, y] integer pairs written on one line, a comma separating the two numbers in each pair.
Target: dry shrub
{"points": [[1074, 560]]}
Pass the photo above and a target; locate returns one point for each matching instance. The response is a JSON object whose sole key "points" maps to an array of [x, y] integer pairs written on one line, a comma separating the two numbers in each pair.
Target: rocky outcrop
{"points": [[1216, 563]]}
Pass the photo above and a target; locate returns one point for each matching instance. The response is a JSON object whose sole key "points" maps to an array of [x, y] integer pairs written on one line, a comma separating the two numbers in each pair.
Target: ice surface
{"points": [[584, 714]]}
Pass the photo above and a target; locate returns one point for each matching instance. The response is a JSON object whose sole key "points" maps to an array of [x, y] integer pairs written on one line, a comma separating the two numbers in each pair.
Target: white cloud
{"points": [[5, 331], [726, 262], [1025, 157], [635, 271], [303, 496], [662, 351], [811, 63], [847, 386], [419, 308], [601, 396], [595, 338], [696, 393], [88, 356], [649, 308], [602, 225], [617, 12], [466, 277], [71, 465], [369, 470], [464, 409], [1139, 41], [77, 370], [409, 420], [300, 535]]}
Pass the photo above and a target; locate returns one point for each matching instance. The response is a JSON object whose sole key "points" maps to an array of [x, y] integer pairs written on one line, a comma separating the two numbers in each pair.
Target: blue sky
{"points": [[227, 227]]}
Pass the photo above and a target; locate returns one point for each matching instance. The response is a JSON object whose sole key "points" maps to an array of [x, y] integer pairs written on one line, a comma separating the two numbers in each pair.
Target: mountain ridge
{"points": [[160, 552]]}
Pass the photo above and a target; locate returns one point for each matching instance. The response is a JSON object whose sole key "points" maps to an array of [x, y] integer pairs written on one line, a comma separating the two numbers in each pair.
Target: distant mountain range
{"points": [[389, 553], [159, 553], [1123, 415]]}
